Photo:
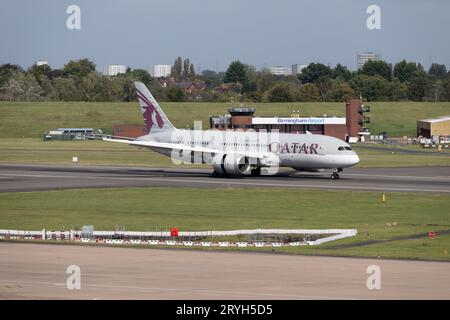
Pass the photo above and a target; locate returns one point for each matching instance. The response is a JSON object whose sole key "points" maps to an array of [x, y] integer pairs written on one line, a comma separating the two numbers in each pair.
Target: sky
{"points": [[212, 33]]}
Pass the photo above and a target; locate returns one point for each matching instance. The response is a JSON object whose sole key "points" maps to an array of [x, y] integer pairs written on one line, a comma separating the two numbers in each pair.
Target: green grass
{"points": [[29, 150], [31, 119], [88, 152], [227, 209], [372, 155]]}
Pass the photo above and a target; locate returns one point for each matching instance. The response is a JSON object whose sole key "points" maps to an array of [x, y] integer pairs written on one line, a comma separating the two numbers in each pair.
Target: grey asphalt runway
{"points": [[24, 177], [35, 271]]}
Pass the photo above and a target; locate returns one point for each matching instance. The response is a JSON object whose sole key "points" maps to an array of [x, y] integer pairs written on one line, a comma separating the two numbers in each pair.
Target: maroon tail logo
{"points": [[150, 114]]}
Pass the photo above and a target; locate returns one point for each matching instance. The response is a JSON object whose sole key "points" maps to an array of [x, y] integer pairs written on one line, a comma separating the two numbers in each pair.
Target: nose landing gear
{"points": [[335, 174]]}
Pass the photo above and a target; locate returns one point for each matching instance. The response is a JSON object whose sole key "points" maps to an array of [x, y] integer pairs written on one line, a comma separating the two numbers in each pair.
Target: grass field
{"points": [[191, 209], [31, 119], [105, 153], [188, 209]]}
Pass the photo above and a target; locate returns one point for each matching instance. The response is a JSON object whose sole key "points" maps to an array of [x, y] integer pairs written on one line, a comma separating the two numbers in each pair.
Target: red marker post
{"points": [[174, 232], [431, 234]]}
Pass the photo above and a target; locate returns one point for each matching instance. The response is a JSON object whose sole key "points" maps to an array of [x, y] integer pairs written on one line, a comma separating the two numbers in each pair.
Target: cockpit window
{"points": [[348, 148], [341, 149]]}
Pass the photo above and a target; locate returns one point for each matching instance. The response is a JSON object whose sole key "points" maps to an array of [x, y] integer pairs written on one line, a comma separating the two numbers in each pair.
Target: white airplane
{"points": [[234, 153]]}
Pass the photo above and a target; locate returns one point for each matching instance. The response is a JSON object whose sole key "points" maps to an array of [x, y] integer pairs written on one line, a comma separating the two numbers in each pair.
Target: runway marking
{"points": [[404, 177], [223, 182], [165, 289]]}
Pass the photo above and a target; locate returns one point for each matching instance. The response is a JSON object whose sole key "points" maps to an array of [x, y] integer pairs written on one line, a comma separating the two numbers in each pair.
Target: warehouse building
{"points": [[428, 128], [350, 128]]}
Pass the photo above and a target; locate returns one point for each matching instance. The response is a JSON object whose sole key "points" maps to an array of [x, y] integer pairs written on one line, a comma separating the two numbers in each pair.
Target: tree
{"points": [[438, 70], [128, 92], [141, 75], [446, 89], [66, 89], [341, 72], [377, 67], [265, 81], [186, 68], [313, 72], [254, 96], [48, 92], [22, 86], [212, 78], [177, 68], [418, 85], [307, 92], [91, 88], [404, 70], [372, 88], [39, 71], [191, 73], [281, 92], [251, 76], [340, 91], [398, 90], [7, 70], [79, 68], [437, 90], [175, 94], [236, 73], [324, 85]]}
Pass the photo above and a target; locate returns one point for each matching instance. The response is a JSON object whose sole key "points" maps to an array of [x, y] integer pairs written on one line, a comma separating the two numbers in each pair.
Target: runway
{"points": [[35, 271], [27, 177]]}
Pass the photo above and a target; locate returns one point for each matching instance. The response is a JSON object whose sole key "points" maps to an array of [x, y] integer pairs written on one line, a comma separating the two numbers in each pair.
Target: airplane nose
{"points": [[355, 159]]}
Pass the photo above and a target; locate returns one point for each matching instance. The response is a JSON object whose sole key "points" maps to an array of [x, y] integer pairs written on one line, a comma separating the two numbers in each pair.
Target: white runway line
{"points": [[400, 177], [153, 289], [222, 182]]}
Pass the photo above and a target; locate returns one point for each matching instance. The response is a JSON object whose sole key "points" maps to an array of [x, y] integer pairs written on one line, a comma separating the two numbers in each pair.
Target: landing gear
{"points": [[216, 174], [335, 174], [256, 171]]}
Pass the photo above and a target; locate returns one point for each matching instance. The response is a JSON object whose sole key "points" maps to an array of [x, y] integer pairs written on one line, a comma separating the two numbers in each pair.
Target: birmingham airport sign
{"points": [[298, 121]]}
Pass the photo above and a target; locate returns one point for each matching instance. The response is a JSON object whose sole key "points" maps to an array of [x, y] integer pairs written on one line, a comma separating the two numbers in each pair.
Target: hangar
{"points": [[351, 127], [428, 128]]}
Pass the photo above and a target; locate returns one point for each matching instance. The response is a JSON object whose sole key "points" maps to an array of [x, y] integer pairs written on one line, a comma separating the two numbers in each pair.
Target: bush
{"points": [[281, 92]]}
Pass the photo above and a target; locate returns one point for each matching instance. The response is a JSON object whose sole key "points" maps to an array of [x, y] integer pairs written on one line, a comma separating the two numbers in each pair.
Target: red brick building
{"points": [[343, 128], [128, 131]]}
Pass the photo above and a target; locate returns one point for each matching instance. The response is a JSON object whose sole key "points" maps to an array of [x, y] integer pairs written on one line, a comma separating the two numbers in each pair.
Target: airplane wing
{"points": [[179, 146]]}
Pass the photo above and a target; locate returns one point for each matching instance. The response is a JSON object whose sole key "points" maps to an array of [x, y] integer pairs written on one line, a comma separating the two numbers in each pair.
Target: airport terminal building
{"points": [[347, 128]]}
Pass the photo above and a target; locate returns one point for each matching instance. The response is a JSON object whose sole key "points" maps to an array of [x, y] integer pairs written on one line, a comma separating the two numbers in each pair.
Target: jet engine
{"points": [[231, 164]]}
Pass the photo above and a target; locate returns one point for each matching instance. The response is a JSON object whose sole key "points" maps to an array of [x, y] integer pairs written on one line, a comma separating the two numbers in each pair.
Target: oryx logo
{"points": [[151, 115]]}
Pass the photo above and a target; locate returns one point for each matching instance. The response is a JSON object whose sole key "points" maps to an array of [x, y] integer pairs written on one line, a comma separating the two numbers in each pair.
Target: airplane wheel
{"points": [[335, 176], [215, 174], [256, 171]]}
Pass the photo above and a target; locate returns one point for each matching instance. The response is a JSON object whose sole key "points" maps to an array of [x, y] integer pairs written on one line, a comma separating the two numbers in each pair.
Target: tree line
{"points": [[377, 80]]}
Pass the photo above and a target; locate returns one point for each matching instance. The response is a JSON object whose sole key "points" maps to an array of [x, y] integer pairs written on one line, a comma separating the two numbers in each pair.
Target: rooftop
{"points": [[440, 119]]}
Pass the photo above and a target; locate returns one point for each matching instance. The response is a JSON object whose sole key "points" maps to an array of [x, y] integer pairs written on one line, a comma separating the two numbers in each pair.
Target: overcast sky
{"points": [[212, 33]]}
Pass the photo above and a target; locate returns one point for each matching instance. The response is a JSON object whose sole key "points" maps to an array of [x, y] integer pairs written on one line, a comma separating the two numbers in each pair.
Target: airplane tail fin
{"points": [[155, 119]]}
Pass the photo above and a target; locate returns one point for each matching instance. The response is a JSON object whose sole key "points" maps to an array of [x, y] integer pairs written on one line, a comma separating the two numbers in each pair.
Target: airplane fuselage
{"points": [[307, 151]]}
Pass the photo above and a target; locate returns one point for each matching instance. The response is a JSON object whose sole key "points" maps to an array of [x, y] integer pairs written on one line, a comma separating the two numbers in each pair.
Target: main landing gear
{"points": [[335, 174], [256, 171]]}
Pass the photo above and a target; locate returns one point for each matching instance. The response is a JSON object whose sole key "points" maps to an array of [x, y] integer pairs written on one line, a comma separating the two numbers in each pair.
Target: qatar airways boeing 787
{"points": [[237, 152]]}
